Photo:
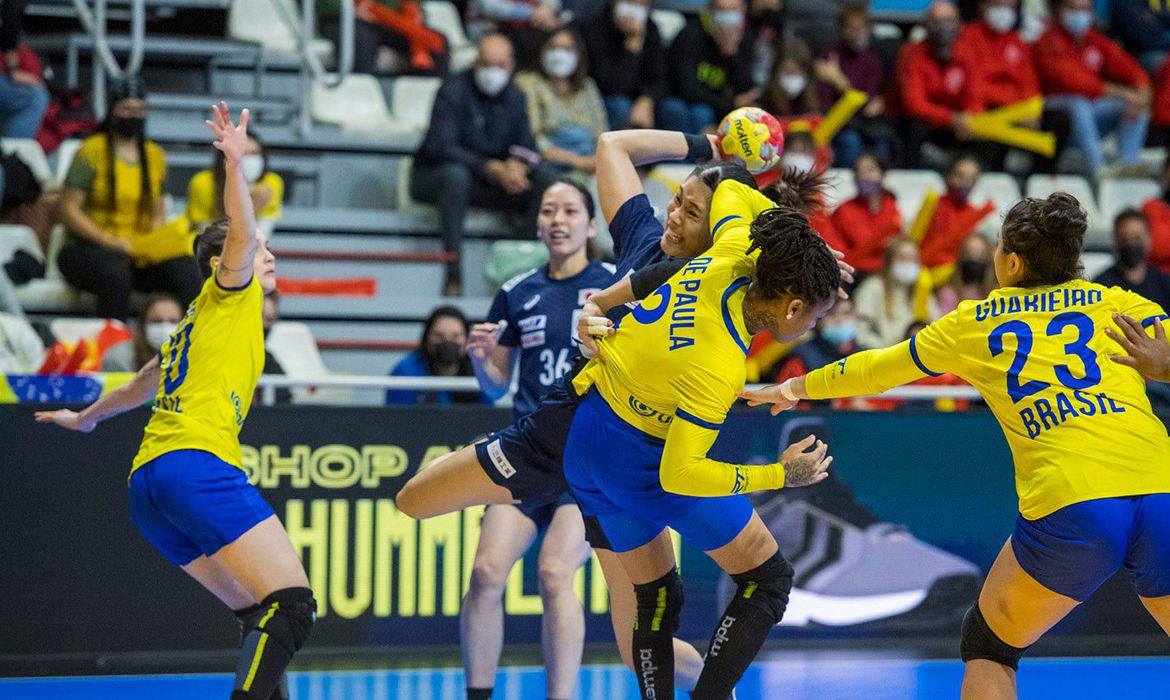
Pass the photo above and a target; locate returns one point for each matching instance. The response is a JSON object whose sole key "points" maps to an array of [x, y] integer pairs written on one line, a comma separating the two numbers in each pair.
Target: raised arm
{"points": [[619, 153], [239, 249], [131, 395]]}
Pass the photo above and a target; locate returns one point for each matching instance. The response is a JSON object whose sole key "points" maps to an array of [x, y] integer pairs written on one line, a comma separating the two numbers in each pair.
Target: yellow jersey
{"points": [[202, 207], [210, 366], [89, 171], [677, 362], [1078, 424]]}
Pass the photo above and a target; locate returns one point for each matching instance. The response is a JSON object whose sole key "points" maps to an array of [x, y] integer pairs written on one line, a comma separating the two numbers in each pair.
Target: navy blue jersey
{"points": [[542, 321]]}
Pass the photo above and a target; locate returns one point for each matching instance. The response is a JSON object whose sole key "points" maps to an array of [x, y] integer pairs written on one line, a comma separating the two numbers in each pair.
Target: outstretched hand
{"points": [[70, 420], [772, 394], [231, 138]]}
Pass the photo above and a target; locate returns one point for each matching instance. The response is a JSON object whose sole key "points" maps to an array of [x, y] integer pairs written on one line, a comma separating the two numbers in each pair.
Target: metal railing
{"points": [[94, 22], [311, 66]]}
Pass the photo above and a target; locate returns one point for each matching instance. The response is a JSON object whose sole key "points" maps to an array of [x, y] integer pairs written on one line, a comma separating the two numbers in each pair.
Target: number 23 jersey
{"points": [[542, 321], [209, 367]]}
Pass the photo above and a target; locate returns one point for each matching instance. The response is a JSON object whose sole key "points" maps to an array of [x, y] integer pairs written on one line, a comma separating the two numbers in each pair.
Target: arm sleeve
{"points": [[1146, 312], [930, 353], [80, 174], [734, 207], [1121, 67], [534, 111], [1061, 72], [633, 220], [442, 143], [643, 282], [686, 469], [915, 99], [499, 312]]}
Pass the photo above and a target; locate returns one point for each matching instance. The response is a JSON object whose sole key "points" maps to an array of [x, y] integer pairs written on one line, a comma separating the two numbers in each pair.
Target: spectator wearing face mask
{"points": [[869, 220], [205, 191], [791, 90], [1132, 271], [940, 88], [974, 275], [111, 202], [564, 106], [955, 217], [1157, 213], [1099, 85], [628, 62], [158, 320], [441, 353], [479, 150], [710, 64], [526, 23], [886, 303], [1003, 59], [853, 65], [834, 337]]}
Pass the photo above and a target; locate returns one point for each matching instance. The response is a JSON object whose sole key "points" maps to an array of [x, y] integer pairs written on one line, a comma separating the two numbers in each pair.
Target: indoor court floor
{"points": [[785, 675]]}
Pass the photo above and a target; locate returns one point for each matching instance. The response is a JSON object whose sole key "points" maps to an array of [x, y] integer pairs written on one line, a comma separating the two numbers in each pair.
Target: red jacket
{"points": [[1004, 63], [952, 222], [821, 221], [1066, 67], [932, 91], [1162, 96], [1158, 212], [865, 233]]}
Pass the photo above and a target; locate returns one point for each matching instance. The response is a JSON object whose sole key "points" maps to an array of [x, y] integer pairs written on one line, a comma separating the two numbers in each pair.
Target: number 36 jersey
{"points": [[209, 366], [542, 321], [1079, 425]]}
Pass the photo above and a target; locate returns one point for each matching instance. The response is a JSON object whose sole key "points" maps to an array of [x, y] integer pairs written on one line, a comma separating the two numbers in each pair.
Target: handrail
{"points": [[94, 22], [311, 66]]}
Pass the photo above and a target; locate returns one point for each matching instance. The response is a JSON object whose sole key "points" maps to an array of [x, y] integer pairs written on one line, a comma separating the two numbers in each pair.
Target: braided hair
{"points": [[793, 258], [1048, 235], [130, 87]]}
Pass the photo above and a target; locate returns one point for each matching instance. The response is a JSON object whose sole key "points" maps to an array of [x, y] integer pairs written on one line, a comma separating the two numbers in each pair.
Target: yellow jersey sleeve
{"points": [[200, 193], [1146, 312], [686, 469], [734, 207]]}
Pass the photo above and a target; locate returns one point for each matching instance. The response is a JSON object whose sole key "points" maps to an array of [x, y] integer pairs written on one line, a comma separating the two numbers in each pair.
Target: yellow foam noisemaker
{"points": [[173, 239], [923, 291], [925, 215], [839, 115], [999, 125]]}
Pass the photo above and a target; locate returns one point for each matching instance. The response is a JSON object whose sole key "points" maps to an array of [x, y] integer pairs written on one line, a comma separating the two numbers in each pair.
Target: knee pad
{"points": [[659, 605], [768, 585], [980, 642], [289, 615], [248, 618]]}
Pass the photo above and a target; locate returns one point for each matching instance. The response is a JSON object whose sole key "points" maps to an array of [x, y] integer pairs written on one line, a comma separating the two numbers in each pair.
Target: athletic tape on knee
{"points": [[289, 615], [659, 605], [768, 585], [981, 642]]}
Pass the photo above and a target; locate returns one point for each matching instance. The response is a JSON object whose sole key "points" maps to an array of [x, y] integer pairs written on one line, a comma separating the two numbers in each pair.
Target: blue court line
{"points": [[792, 677]]}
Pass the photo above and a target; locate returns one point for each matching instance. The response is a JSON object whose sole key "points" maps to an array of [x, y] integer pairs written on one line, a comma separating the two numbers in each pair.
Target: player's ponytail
{"points": [[793, 258], [1048, 235], [797, 190]]}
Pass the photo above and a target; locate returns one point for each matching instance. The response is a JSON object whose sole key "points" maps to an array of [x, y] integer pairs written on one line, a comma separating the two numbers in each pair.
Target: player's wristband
{"points": [[698, 148], [786, 390]]}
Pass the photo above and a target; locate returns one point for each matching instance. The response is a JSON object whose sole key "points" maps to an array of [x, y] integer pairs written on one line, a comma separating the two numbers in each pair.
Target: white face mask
{"points": [[559, 63], [1001, 19], [491, 81], [253, 166], [727, 19], [800, 162], [1077, 22], [157, 334], [792, 84], [632, 11], [906, 272]]}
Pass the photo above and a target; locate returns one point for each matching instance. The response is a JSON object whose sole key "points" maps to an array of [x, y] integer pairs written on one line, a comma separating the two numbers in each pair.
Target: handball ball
{"points": [[753, 137]]}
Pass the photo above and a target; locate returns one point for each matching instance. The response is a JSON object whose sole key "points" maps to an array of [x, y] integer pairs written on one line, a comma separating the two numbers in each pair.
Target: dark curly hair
{"points": [[797, 190], [1048, 235], [793, 258]]}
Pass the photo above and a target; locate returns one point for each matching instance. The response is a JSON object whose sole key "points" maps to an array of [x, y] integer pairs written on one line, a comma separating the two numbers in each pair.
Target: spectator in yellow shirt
{"points": [[205, 191], [112, 205]]}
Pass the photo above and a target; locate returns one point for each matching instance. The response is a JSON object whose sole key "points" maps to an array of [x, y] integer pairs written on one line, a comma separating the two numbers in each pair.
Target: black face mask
{"points": [[1131, 255], [972, 271], [128, 127], [447, 352]]}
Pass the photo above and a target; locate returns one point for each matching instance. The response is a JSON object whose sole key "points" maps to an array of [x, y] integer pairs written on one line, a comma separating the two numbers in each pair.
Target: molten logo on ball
{"points": [[752, 137]]}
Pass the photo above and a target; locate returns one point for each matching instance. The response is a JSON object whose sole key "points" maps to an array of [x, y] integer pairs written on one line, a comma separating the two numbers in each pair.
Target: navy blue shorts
{"points": [[189, 503], [542, 515], [613, 469], [1074, 550]]}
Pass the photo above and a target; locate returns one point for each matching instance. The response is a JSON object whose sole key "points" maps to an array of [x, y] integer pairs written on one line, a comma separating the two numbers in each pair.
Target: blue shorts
{"points": [[1074, 550], [542, 515], [189, 503], [613, 470]]}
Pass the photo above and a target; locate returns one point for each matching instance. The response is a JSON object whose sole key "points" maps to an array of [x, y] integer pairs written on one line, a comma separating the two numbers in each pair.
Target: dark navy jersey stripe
{"points": [[690, 418], [727, 314], [729, 217], [917, 361]]}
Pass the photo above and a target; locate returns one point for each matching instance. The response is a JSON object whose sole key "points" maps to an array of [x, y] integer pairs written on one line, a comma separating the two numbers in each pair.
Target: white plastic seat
{"points": [[357, 105], [910, 187], [294, 347], [260, 22], [64, 155], [669, 24], [1116, 195], [411, 100], [1040, 186], [1002, 190], [71, 330], [33, 156], [839, 187], [443, 17], [14, 237]]}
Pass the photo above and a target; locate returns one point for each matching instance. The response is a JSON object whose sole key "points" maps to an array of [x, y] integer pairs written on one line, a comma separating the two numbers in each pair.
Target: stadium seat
{"points": [[910, 187], [64, 156], [71, 330], [411, 100], [357, 105], [294, 347], [1116, 195], [443, 17], [14, 237], [669, 24], [259, 21], [1096, 263], [1041, 186], [839, 187], [33, 156], [1002, 190]]}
